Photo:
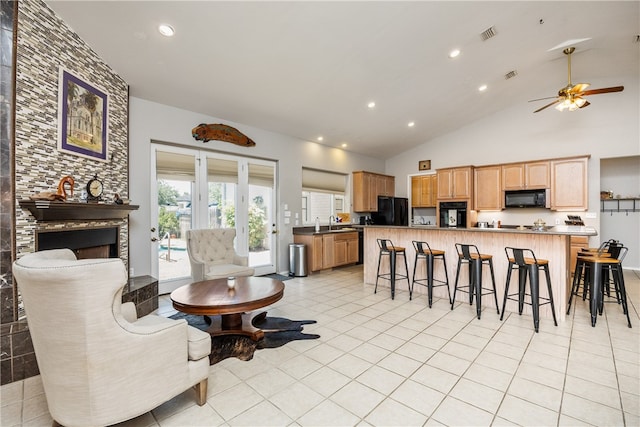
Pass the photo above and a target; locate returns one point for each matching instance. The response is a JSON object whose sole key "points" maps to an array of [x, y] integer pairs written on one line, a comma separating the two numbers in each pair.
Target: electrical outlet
{"points": [[557, 221]]}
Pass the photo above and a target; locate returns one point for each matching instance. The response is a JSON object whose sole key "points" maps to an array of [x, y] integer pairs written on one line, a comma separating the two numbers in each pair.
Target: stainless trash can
{"points": [[297, 260]]}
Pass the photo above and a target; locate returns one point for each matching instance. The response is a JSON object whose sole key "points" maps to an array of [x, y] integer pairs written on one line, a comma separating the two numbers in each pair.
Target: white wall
{"points": [[149, 121], [622, 176], [607, 128]]}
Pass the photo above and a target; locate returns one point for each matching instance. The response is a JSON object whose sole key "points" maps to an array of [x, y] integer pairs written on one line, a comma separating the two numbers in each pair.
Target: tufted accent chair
{"points": [[213, 256], [99, 363]]}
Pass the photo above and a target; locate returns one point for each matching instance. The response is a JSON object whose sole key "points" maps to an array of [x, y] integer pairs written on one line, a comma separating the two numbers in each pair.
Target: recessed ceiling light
{"points": [[454, 53], [482, 88], [166, 30], [411, 124], [320, 138], [371, 104], [344, 145]]}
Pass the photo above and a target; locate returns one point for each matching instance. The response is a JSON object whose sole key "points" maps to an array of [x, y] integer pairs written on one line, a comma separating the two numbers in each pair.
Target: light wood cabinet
{"points": [[577, 244], [423, 191], [569, 184], [329, 250], [521, 176], [488, 188], [455, 183], [367, 186]]}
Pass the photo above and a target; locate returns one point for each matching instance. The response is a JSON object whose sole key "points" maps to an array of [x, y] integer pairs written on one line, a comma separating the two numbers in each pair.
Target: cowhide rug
{"points": [[278, 332]]}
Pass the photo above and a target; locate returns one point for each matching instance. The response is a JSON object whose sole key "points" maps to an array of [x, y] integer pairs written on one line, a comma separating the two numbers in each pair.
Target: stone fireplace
{"points": [[36, 44]]}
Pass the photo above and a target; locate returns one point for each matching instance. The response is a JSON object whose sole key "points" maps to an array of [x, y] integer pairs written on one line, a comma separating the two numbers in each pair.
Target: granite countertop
{"points": [[342, 228], [571, 230]]}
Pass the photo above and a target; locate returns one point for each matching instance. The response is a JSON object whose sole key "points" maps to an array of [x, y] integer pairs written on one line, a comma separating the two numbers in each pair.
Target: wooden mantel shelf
{"points": [[44, 210]]}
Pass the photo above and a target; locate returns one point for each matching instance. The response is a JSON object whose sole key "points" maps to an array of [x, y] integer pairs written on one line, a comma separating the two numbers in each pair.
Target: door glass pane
{"points": [[175, 175], [261, 220], [222, 185]]}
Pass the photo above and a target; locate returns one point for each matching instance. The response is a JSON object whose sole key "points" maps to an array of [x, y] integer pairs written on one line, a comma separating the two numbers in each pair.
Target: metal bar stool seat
{"points": [[525, 261], [387, 248], [424, 252], [469, 254]]}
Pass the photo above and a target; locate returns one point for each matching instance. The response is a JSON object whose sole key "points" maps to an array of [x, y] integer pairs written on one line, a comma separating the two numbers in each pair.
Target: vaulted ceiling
{"points": [[309, 69]]}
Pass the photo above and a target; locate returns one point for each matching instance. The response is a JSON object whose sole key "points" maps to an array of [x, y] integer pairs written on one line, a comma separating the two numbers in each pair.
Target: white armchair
{"points": [[99, 364], [213, 256]]}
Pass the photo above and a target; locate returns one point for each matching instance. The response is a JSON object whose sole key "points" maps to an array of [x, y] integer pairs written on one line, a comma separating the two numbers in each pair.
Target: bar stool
{"points": [[424, 251], [610, 248], [525, 261], [387, 248], [599, 268], [470, 254]]}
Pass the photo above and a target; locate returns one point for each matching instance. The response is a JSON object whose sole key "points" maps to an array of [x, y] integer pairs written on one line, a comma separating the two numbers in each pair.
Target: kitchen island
{"points": [[552, 244]]}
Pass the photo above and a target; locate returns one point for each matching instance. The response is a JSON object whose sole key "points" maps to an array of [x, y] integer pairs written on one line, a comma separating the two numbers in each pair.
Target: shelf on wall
{"points": [[44, 210], [620, 205]]}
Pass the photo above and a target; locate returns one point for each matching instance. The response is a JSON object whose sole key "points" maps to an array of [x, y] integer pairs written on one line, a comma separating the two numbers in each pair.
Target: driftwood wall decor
{"points": [[220, 132]]}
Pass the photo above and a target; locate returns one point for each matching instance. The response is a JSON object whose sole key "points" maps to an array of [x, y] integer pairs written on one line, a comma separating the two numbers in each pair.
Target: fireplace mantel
{"points": [[44, 210]]}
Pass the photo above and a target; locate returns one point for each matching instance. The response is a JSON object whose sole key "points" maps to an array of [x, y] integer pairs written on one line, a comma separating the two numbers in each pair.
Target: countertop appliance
{"points": [[526, 199], [391, 211], [453, 214]]}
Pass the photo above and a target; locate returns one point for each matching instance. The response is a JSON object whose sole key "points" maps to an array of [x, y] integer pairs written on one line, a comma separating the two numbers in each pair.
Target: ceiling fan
{"points": [[571, 96]]}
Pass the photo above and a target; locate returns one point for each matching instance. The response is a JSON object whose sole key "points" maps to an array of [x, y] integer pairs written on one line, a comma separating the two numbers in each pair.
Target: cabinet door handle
{"points": [[154, 239]]}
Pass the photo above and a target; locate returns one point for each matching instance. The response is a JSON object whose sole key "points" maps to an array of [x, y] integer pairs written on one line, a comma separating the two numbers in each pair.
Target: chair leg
{"points": [[506, 289], [534, 285], [378, 272], [553, 307], [430, 279], [477, 281], [413, 278], [446, 277], [455, 286], [493, 283], [522, 286], [406, 269], [201, 392], [623, 291]]}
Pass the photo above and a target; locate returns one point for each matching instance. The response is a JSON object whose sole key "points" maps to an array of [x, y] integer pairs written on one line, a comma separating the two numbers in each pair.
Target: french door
{"points": [[200, 189]]}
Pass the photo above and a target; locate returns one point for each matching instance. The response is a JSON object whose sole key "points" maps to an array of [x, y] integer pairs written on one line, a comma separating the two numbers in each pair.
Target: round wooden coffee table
{"points": [[214, 297]]}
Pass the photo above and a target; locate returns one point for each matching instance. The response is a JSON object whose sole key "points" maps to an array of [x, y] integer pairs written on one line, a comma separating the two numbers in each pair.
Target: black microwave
{"points": [[526, 199]]}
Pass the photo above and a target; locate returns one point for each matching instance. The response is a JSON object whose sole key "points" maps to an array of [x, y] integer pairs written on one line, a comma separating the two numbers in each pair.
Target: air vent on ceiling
{"points": [[488, 33], [510, 74]]}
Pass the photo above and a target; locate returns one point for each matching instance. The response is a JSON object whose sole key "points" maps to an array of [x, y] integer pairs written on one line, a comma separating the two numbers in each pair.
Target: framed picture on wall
{"points": [[82, 117]]}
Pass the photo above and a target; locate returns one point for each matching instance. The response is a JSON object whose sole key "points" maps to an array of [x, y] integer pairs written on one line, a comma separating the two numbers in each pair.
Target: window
{"points": [[323, 195]]}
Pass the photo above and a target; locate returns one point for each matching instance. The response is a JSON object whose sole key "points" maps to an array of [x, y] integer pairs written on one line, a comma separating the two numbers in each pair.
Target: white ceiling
{"points": [[306, 69]]}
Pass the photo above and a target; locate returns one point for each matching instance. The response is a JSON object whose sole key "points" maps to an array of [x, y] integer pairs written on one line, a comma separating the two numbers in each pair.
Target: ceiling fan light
{"points": [[580, 102]]}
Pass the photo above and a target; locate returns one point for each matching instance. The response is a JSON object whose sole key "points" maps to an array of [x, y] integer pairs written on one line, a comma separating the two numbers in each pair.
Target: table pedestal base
{"points": [[236, 324]]}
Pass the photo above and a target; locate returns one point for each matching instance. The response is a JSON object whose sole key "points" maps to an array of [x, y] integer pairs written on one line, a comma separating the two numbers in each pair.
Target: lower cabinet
{"points": [[329, 250], [577, 244]]}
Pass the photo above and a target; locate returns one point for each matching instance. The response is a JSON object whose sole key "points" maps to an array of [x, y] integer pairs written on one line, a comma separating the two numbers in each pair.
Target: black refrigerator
{"points": [[391, 211]]}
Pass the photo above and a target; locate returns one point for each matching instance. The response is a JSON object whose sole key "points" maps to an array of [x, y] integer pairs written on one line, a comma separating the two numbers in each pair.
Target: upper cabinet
{"points": [[488, 188], [367, 186], [569, 184], [520, 176], [423, 191], [455, 183]]}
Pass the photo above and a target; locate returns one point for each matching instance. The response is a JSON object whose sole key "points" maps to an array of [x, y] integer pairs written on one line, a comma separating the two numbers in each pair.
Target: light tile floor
{"points": [[382, 362]]}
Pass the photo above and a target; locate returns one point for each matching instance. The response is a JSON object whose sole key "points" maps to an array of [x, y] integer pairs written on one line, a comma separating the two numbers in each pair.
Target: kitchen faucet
{"points": [[331, 217]]}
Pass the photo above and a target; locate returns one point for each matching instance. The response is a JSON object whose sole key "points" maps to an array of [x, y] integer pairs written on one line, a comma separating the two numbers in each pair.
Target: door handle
{"points": [[154, 239]]}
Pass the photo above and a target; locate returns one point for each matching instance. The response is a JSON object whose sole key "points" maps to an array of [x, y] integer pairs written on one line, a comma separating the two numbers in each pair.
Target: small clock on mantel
{"points": [[94, 190]]}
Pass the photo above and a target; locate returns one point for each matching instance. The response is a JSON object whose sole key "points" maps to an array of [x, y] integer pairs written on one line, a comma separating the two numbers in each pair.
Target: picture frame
{"points": [[83, 117]]}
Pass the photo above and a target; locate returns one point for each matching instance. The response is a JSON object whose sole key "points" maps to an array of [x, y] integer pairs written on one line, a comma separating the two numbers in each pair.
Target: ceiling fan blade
{"points": [[580, 87], [603, 90], [548, 105], [541, 99], [586, 104]]}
